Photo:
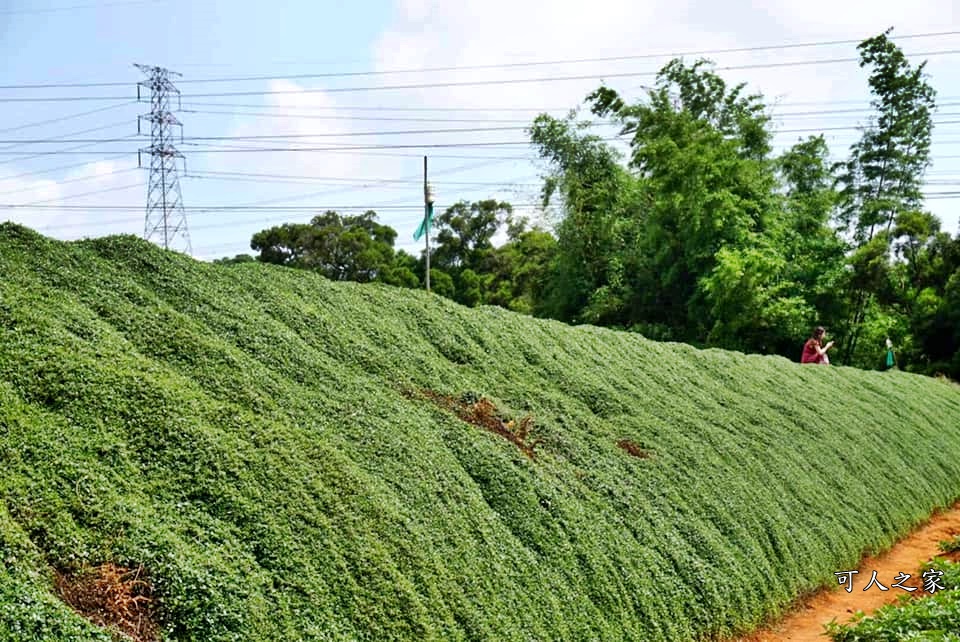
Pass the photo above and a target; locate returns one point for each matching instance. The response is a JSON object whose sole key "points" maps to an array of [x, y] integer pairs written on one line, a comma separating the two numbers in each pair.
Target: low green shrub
{"points": [[245, 433]]}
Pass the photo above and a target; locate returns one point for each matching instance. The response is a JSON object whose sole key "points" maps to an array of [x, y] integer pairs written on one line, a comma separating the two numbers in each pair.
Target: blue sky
{"points": [[83, 41]]}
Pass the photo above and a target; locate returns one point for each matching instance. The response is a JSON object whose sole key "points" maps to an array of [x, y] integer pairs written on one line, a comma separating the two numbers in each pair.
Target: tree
{"points": [[701, 149], [882, 180], [592, 274], [342, 248], [520, 269], [508, 276], [285, 244], [239, 258], [464, 234], [469, 288], [402, 271], [753, 306], [931, 283], [442, 283], [812, 248]]}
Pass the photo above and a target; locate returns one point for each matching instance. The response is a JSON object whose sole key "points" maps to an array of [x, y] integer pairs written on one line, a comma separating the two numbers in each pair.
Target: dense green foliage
{"points": [[342, 248], [703, 234], [465, 265], [510, 276], [713, 240], [247, 434], [931, 617], [881, 204]]}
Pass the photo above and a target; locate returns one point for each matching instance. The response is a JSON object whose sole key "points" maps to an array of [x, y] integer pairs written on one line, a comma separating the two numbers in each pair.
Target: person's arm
{"points": [[822, 351]]}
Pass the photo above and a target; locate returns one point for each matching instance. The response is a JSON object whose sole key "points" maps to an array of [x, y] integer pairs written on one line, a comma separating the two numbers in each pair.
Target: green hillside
{"points": [[287, 458]]}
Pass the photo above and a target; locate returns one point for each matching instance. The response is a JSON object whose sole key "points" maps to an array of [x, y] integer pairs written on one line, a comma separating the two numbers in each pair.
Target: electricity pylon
{"points": [[165, 221]]}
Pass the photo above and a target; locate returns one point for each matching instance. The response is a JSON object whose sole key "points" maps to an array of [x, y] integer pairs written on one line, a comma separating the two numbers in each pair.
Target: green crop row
{"points": [[246, 433], [933, 617]]}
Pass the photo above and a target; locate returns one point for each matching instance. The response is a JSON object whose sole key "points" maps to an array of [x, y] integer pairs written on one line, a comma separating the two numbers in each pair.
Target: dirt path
{"points": [[906, 556]]}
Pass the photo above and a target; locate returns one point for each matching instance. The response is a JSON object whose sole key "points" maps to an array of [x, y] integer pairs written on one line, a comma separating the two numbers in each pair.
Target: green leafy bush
{"points": [[930, 617], [243, 432]]}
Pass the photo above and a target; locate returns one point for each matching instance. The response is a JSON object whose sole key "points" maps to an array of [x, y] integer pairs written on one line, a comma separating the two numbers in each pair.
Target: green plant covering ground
{"points": [[264, 443], [930, 618]]}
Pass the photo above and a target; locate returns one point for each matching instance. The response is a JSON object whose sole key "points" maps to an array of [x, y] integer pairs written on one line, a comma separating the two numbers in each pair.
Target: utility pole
{"points": [[424, 227], [165, 217], [427, 215]]}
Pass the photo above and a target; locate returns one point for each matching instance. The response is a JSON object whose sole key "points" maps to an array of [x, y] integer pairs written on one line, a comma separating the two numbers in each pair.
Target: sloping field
{"points": [[279, 457]]}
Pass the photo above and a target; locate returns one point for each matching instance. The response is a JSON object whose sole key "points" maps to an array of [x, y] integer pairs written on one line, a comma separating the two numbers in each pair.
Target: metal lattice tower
{"points": [[165, 219]]}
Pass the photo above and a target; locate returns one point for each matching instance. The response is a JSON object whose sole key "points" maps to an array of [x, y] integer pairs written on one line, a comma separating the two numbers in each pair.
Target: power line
{"points": [[49, 170], [408, 132], [501, 109], [284, 137], [360, 184], [391, 109], [355, 118], [211, 209], [443, 156], [447, 172], [570, 61], [348, 117], [75, 180], [225, 149], [257, 178], [950, 178], [847, 128], [92, 193], [372, 183], [68, 150], [509, 65], [61, 138], [69, 117], [225, 208], [480, 83], [58, 140], [827, 112], [365, 150]]}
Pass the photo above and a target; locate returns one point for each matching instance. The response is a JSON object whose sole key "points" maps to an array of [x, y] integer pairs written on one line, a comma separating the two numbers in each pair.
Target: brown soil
{"points": [[634, 449], [113, 597], [484, 414], [907, 556]]}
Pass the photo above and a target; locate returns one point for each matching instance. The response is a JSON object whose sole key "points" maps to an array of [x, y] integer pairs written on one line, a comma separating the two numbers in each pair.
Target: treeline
{"points": [[701, 234], [464, 264]]}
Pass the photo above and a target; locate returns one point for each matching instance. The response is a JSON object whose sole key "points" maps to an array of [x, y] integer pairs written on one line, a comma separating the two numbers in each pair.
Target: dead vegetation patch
{"points": [[482, 412], [114, 597], [635, 449]]}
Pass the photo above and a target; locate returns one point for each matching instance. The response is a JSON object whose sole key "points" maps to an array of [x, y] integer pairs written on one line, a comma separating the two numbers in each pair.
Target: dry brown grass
{"points": [[116, 598], [484, 414], [634, 449]]}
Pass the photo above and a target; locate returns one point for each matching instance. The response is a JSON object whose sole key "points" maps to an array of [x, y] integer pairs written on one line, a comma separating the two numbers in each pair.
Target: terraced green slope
{"points": [[257, 439]]}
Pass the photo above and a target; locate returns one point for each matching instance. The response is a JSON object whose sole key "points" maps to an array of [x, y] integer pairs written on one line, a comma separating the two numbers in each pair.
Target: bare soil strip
{"points": [[906, 556]]}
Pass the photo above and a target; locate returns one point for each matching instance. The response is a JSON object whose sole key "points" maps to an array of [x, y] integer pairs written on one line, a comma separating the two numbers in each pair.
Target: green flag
{"points": [[425, 223]]}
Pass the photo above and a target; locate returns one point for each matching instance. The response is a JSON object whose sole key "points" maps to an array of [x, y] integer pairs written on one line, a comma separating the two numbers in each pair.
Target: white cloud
{"points": [[866, 17], [97, 184], [301, 116], [290, 100], [441, 34], [434, 33]]}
